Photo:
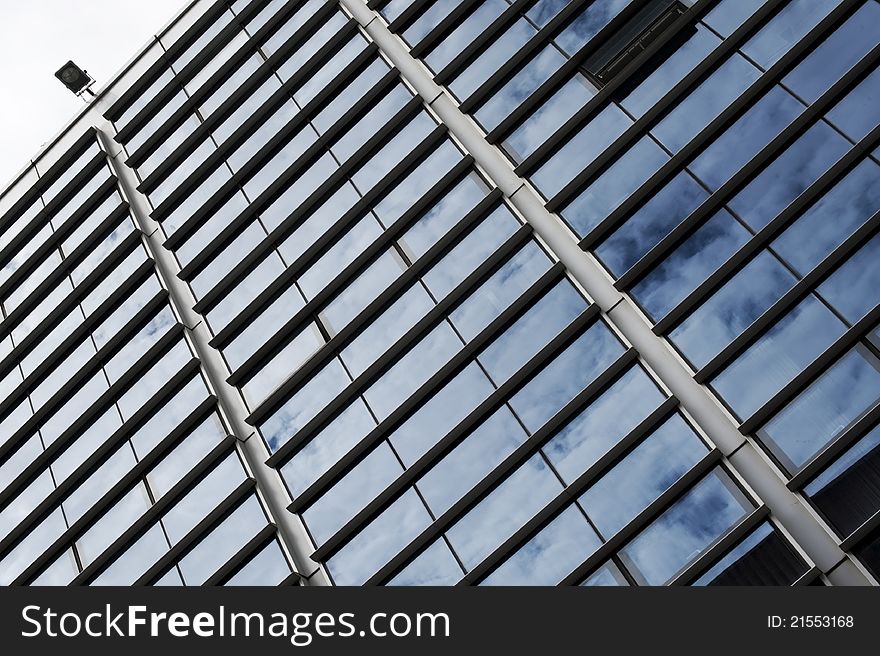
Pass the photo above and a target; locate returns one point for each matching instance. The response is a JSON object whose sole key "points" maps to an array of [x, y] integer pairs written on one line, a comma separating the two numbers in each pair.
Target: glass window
{"points": [[858, 113], [468, 463], [779, 355], [434, 566], [846, 493], [268, 567], [828, 62], [853, 289], [650, 223], [614, 185], [326, 448], [441, 413], [303, 405], [380, 541], [825, 409], [705, 103], [785, 29], [746, 137], [498, 515], [352, 492], [464, 33], [642, 476], [580, 150], [561, 380], [686, 529], [851, 202], [673, 69], [551, 554], [534, 329], [549, 117], [783, 180], [732, 308], [712, 244], [590, 435]]}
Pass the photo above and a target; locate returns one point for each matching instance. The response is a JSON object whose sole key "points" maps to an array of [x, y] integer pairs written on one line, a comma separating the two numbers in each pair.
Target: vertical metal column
{"points": [[291, 531], [749, 462]]}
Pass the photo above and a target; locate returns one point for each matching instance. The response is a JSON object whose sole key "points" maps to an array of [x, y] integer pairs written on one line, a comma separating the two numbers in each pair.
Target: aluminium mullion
{"points": [[277, 188], [256, 161], [252, 123], [415, 9], [831, 451], [407, 278], [32, 301], [486, 38], [141, 120], [672, 494], [105, 450], [35, 191], [60, 494], [573, 65], [708, 64], [321, 245], [318, 149], [216, 294], [54, 242], [200, 531], [542, 38], [496, 399], [766, 234], [536, 441], [445, 27], [432, 318], [29, 427], [570, 492], [355, 454], [803, 288], [774, 148], [819, 364], [109, 305], [95, 362], [717, 127], [243, 556], [45, 215], [720, 548], [153, 514]]}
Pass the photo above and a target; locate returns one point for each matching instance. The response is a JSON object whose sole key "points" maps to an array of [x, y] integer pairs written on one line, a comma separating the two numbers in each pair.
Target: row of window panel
{"points": [[213, 98], [109, 411], [440, 343], [26, 216], [95, 339], [406, 444]]}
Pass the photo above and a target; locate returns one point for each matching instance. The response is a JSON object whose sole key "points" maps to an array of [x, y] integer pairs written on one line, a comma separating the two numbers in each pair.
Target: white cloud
{"points": [[37, 37]]}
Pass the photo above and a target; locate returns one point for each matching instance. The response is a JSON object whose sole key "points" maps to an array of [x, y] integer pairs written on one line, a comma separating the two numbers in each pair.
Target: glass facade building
{"points": [[494, 292]]}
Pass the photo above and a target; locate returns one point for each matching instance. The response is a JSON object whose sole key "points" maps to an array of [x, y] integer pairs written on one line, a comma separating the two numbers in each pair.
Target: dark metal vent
{"points": [[633, 38]]}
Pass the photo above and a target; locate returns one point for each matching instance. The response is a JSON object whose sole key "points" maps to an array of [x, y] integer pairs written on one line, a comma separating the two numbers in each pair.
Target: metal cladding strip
{"points": [[292, 533], [752, 465]]}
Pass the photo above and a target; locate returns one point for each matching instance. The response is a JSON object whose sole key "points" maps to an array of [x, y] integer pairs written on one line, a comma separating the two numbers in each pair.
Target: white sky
{"points": [[37, 37]]}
